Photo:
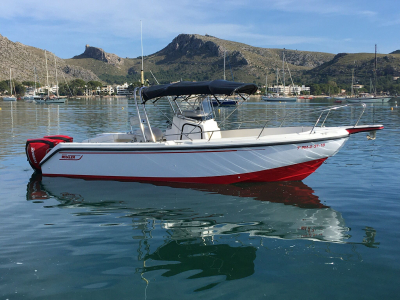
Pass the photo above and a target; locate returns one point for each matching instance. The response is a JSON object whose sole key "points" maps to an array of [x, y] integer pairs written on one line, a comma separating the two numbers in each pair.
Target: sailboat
{"points": [[30, 97], [53, 98], [370, 98], [277, 97], [11, 97], [223, 101]]}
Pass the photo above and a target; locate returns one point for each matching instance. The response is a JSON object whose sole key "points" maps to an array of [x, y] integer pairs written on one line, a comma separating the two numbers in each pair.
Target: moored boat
{"points": [[194, 148], [368, 99], [49, 100], [11, 97], [278, 98]]}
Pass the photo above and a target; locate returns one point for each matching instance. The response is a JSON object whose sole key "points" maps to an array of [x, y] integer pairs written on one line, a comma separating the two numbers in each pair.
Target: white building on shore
{"points": [[122, 90], [105, 89], [288, 90]]}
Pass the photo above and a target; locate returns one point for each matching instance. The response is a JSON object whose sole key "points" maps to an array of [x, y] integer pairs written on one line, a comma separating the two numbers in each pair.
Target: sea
{"points": [[334, 235]]}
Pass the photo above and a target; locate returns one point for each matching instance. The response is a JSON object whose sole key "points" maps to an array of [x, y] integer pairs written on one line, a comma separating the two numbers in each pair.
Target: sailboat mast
{"points": [[283, 70], [47, 74], [141, 43], [224, 64], [10, 83], [55, 66], [34, 91], [370, 86], [375, 72], [352, 82]]}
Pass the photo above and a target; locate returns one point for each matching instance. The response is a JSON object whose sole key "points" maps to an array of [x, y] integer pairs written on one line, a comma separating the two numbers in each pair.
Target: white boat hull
{"points": [[188, 162], [368, 100], [279, 99], [50, 101], [9, 99]]}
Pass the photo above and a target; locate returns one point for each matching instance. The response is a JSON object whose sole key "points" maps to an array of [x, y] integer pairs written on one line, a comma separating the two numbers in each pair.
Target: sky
{"points": [[333, 26]]}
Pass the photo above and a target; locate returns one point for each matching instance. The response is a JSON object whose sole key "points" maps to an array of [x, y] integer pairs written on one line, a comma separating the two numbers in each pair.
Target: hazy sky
{"points": [[65, 27]]}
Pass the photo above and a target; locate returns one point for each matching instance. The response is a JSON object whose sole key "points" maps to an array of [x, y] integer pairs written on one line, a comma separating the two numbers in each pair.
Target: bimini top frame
{"points": [[186, 88], [215, 87]]}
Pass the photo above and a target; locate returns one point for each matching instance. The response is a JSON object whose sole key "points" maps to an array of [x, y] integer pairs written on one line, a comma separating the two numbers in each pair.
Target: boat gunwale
{"points": [[180, 146]]}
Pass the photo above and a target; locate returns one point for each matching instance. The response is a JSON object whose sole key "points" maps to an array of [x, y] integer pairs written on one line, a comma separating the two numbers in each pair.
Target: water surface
{"points": [[333, 235]]}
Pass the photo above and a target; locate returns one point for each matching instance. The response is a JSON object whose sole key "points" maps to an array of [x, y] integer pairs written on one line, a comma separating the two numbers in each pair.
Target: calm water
{"points": [[334, 235]]}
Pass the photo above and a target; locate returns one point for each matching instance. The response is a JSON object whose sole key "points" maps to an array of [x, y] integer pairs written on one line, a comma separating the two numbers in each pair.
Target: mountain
{"points": [[343, 64], [23, 59], [198, 57], [395, 52]]}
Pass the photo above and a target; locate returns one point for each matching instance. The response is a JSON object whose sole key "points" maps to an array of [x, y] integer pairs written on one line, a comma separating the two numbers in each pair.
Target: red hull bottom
{"points": [[288, 173]]}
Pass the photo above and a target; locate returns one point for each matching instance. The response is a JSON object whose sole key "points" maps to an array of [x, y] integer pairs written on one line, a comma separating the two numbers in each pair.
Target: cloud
{"points": [[113, 24]]}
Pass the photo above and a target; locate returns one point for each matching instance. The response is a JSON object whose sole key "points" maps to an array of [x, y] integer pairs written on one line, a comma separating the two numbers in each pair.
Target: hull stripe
{"points": [[207, 148], [153, 152], [287, 173]]}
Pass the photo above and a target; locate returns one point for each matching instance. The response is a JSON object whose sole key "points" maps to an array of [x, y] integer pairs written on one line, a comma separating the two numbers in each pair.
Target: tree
{"points": [[77, 83], [94, 84], [315, 89], [4, 86], [28, 83], [19, 88]]}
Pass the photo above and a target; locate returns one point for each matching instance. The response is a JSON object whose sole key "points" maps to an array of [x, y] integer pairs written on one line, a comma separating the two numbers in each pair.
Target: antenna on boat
{"points": [[141, 43]]}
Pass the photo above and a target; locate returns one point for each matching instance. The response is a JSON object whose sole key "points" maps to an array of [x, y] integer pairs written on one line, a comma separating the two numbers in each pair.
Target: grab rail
{"points": [[324, 114], [328, 110]]}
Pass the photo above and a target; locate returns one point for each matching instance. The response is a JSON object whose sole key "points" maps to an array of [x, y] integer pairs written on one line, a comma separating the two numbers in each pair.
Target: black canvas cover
{"points": [[215, 87]]}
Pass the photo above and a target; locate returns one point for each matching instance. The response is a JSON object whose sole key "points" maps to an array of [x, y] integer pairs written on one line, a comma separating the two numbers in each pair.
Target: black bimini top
{"points": [[215, 87]]}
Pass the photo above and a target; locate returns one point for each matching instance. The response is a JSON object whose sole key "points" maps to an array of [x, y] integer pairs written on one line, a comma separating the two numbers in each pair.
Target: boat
{"points": [[194, 148], [372, 98], [276, 97], [11, 97], [50, 99], [339, 99], [31, 97], [218, 100], [221, 101]]}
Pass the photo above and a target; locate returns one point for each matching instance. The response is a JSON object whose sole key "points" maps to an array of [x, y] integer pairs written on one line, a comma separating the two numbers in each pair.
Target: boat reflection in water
{"points": [[208, 230], [287, 210]]}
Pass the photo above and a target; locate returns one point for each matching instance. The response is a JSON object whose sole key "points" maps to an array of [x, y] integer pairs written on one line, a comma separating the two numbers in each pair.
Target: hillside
{"points": [[23, 59], [342, 65], [197, 57]]}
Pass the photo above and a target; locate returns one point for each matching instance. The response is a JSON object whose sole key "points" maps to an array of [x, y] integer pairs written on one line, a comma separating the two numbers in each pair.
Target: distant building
{"points": [[105, 89], [395, 78], [123, 89], [288, 90], [358, 86]]}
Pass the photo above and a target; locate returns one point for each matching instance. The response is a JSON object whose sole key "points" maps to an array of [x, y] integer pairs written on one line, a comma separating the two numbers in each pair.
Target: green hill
{"points": [[197, 57]]}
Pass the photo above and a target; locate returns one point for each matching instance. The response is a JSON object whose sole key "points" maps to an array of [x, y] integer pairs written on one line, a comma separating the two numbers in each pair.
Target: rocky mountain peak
{"points": [[190, 46], [100, 54], [193, 45]]}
